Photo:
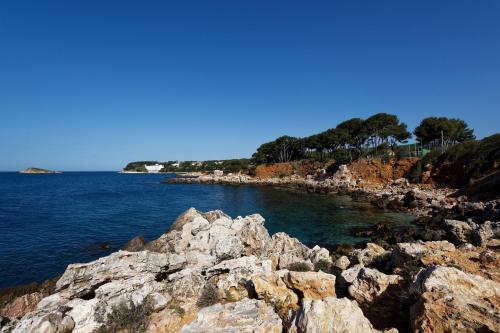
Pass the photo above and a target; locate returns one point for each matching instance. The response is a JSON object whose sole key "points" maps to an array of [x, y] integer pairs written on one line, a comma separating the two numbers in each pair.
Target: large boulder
{"points": [[82, 280], [232, 276], [382, 297], [331, 315], [342, 263], [371, 254], [286, 250], [458, 232], [86, 293], [403, 252], [312, 285], [272, 289], [370, 284], [454, 301], [246, 316], [347, 277], [206, 239], [484, 232]]}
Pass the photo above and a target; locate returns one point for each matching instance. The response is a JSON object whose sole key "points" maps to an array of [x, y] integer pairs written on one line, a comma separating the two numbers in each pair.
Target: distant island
{"points": [[38, 170]]}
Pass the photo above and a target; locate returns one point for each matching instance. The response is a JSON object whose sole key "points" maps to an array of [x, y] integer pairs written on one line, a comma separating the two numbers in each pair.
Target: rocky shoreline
{"points": [[212, 273], [399, 194]]}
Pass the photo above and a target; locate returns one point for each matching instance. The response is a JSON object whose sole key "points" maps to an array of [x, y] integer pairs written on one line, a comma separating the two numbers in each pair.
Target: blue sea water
{"points": [[48, 221]]}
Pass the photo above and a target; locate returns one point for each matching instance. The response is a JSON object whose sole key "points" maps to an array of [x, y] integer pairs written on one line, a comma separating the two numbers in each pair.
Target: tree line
{"points": [[378, 135]]}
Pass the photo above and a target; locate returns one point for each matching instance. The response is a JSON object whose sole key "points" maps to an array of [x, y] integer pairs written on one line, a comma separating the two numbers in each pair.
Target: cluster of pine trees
{"points": [[378, 135]]}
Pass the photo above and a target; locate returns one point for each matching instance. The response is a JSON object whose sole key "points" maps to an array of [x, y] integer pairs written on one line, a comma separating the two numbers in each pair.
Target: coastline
{"points": [[398, 194], [208, 265], [209, 271]]}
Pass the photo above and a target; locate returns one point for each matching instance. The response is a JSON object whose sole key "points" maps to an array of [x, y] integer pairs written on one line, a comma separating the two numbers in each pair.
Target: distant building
{"points": [[176, 165], [153, 168], [197, 164]]}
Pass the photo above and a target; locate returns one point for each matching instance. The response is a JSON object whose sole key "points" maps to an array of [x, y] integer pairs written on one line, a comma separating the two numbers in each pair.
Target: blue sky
{"points": [[91, 85]]}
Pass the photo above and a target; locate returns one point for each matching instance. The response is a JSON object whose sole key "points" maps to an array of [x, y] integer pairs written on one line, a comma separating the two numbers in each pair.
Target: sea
{"points": [[48, 221]]}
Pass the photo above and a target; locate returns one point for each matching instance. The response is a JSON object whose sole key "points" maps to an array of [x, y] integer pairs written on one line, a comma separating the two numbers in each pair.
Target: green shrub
{"points": [[178, 309], [128, 317], [323, 265], [343, 249], [299, 267], [410, 268], [209, 296]]}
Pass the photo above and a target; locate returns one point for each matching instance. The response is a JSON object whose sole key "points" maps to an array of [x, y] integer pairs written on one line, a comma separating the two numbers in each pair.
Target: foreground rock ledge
{"points": [[212, 273]]}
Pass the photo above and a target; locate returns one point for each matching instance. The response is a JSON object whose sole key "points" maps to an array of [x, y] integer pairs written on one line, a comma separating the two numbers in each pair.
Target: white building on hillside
{"points": [[153, 168]]}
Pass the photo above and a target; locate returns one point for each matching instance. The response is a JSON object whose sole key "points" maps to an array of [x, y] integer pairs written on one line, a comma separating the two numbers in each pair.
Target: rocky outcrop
{"points": [[21, 305], [458, 231], [331, 315], [461, 232], [312, 285], [454, 301], [370, 284], [204, 258], [274, 291], [342, 263], [404, 252], [383, 298], [246, 316], [370, 254], [213, 273]]}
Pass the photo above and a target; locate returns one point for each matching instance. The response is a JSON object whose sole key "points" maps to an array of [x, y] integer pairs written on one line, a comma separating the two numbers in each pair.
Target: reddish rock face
{"points": [[376, 171], [21, 305], [274, 170]]}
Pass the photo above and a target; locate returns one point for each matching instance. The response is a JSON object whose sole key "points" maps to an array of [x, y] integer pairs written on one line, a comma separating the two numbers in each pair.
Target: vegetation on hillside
{"points": [[380, 135], [462, 162], [234, 165], [349, 140], [469, 160], [442, 131]]}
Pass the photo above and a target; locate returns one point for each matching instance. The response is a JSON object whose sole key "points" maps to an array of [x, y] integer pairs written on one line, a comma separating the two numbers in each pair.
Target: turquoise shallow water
{"points": [[50, 221]]}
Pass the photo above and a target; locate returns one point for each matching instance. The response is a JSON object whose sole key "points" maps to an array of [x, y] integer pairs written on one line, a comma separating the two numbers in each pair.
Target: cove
{"points": [[50, 221]]}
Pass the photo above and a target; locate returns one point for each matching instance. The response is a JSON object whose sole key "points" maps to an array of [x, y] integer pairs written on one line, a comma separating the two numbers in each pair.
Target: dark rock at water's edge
{"points": [[138, 243]]}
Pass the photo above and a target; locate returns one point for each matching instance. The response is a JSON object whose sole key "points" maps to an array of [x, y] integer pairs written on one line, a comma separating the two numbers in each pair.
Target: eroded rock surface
{"points": [[246, 316], [331, 315], [212, 273], [454, 301]]}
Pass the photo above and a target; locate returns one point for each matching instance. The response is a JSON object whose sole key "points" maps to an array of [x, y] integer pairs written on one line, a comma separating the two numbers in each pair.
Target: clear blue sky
{"points": [[91, 85]]}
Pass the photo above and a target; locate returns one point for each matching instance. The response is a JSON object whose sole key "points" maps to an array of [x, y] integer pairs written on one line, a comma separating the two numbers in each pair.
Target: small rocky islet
{"points": [[33, 170]]}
